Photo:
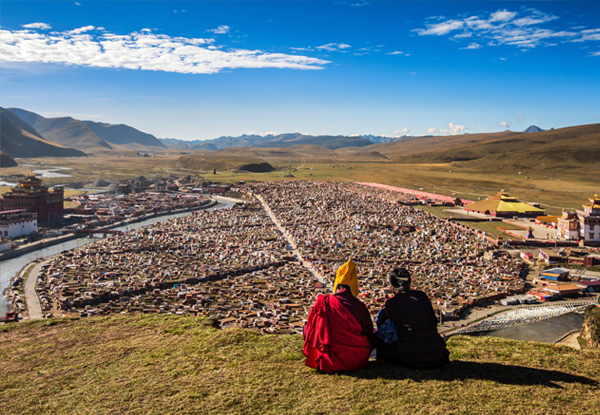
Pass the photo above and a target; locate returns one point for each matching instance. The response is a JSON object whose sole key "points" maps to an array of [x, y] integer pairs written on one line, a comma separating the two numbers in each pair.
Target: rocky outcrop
{"points": [[591, 327]]}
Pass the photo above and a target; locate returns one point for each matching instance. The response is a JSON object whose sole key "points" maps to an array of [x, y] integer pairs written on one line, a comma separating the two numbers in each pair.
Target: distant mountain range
{"points": [[27, 134], [280, 140]]}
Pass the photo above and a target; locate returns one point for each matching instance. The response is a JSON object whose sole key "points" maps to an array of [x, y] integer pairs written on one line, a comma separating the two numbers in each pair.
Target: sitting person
{"points": [[415, 342], [338, 335]]}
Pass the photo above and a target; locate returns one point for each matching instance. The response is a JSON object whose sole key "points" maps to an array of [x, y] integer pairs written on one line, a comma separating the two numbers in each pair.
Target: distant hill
{"points": [[301, 153], [89, 136], [211, 161], [19, 139], [532, 129], [569, 147], [6, 160], [64, 130], [124, 135]]}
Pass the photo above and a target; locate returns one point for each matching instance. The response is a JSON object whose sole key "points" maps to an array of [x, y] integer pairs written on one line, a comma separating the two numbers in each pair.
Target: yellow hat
{"points": [[346, 275]]}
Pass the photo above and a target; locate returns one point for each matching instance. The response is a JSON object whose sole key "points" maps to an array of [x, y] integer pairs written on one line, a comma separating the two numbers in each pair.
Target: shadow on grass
{"points": [[465, 370]]}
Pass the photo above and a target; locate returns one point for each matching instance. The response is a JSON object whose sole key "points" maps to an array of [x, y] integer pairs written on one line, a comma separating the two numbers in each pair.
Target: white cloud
{"points": [[396, 53], [443, 28], [502, 16], [142, 50], [595, 54], [221, 30], [503, 27], [403, 131], [83, 29], [454, 129], [504, 124], [474, 46], [360, 4], [333, 46], [520, 118], [41, 26]]}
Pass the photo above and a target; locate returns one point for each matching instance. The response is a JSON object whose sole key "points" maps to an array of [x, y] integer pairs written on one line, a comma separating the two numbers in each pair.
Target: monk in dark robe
{"points": [[338, 335], [418, 343]]}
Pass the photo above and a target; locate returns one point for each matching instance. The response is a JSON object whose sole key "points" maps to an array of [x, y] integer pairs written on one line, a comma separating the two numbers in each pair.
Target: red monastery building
{"points": [[34, 197]]}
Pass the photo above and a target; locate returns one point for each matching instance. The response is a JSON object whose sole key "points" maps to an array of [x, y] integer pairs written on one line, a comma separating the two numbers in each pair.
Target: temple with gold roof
{"points": [[504, 205]]}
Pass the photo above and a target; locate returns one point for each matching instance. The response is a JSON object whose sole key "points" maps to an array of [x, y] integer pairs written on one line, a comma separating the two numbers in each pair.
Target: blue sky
{"points": [[203, 69]]}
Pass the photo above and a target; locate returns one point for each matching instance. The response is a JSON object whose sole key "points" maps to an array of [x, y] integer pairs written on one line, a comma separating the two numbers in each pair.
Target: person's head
{"points": [[346, 275], [400, 279]]}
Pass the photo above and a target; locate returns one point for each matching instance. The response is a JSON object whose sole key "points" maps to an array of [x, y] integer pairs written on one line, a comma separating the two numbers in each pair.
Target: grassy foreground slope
{"points": [[168, 364]]}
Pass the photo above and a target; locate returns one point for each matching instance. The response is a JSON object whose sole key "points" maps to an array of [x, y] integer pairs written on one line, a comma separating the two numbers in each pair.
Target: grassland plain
{"points": [[555, 189], [157, 364]]}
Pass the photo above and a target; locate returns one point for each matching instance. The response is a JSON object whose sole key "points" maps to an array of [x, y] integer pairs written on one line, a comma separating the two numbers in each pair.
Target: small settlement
{"points": [[236, 267]]}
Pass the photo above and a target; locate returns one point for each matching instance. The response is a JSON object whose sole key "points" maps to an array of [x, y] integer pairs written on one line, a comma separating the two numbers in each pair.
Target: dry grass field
{"points": [[159, 364], [554, 189]]}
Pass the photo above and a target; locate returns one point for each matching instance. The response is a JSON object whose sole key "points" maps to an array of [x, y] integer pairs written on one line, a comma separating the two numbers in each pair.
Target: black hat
{"points": [[400, 278]]}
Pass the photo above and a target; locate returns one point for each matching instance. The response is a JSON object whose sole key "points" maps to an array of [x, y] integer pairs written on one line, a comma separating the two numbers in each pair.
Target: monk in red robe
{"points": [[338, 335]]}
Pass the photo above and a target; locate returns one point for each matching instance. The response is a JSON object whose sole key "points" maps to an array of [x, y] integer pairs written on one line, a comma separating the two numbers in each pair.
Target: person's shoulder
{"points": [[418, 293], [322, 297]]}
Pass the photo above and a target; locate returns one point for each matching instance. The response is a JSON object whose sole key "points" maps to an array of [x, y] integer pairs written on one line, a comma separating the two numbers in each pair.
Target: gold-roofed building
{"points": [[504, 205]]}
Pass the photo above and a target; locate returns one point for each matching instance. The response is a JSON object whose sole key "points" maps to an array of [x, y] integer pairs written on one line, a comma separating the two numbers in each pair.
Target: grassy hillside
{"points": [[157, 364], [565, 148], [209, 162], [19, 139]]}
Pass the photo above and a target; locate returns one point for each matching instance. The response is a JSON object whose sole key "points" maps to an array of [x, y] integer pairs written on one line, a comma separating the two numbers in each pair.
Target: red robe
{"points": [[333, 337]]}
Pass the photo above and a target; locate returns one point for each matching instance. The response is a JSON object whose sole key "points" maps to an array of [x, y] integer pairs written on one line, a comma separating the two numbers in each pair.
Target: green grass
{"points": [[491, 228], [21, 287], [158, 364]]}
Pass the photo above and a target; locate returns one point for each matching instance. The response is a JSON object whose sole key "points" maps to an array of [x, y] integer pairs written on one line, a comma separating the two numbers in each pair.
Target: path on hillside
{"points": [[287, 236], [34, 309]]}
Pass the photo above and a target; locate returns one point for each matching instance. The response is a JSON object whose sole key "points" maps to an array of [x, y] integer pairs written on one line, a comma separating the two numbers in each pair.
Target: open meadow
{"points": [[555, 189], [157, 364]]}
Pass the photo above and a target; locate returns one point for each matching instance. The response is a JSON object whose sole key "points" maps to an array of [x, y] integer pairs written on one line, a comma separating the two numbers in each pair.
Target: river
{"points": [[11, 267]]}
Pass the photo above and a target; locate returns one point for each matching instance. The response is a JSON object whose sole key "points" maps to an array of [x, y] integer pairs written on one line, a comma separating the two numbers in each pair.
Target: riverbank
{"points": [[13, 264], [34, 246]]}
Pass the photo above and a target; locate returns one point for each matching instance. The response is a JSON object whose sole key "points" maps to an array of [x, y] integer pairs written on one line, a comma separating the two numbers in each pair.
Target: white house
{"points": [[16, 223], [589, 220]]}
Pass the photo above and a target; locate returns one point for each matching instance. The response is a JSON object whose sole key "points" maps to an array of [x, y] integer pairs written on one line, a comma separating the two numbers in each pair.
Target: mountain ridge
{"points": [[89, 136], [19, 139]]}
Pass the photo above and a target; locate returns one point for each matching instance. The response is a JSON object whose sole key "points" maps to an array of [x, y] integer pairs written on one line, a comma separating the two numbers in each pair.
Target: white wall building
{"points": [[17, 223], [589, 220]]}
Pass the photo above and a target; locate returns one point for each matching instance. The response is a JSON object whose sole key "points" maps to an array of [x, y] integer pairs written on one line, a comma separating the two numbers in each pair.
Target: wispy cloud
{"points": [[331, 47], [503, 27], [221, 30], [504, 124], [41, 26], [144, 50], [352, 4]]}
